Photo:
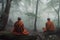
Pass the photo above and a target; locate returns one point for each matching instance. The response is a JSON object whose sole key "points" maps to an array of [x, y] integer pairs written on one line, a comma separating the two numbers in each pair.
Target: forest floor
{"points": [[33, 36]]}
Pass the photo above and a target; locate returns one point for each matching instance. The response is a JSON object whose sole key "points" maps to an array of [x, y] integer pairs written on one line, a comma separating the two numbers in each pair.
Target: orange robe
{"points": [[50, 26], [20, 26]]}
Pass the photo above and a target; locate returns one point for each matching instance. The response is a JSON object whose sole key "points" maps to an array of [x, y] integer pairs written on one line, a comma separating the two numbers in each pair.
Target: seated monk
{"points": [[19, 28], [49, 25]]}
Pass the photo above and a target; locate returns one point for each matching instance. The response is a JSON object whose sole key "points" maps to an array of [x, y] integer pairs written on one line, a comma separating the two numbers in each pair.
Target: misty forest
{"points": [[34, 14]]}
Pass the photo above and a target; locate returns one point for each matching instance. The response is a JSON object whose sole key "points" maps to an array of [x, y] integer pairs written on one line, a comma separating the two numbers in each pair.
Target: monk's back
{"points": [[18, 26], [50, 26]]}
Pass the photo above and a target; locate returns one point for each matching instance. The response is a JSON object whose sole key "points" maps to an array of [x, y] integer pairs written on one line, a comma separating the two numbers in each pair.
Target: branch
{"points": [[55, 10]]}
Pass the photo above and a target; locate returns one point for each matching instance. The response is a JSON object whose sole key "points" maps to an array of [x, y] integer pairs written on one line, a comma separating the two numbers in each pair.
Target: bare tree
{"points": [[5, 15], [35, 27]]}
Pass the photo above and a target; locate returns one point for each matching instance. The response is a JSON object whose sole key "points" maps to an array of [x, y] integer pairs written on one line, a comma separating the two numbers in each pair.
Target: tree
{"points": [[35, 27], [53, 4], [2, 5], [5, 15]]}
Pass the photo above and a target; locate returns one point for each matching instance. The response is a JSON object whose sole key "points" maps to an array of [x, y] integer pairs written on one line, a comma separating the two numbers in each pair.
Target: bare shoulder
{"points": [[52, 22]]}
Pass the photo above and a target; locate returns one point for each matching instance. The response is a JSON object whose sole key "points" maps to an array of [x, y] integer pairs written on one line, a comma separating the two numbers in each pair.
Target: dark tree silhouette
{"points": [[5, 15], [35, 27]]}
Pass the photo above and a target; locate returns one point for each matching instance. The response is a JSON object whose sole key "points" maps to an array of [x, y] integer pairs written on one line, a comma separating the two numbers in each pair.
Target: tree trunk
{"points": [[59, 14], [2, 5], [35, 27], [5, 15]]}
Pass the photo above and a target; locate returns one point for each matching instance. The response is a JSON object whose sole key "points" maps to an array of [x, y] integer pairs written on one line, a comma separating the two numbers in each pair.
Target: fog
{"points": [[26, 9]]}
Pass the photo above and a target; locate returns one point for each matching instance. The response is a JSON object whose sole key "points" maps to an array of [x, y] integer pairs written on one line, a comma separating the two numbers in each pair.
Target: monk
{"points": [[50, 28], [49, 25], [19, 28]]}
